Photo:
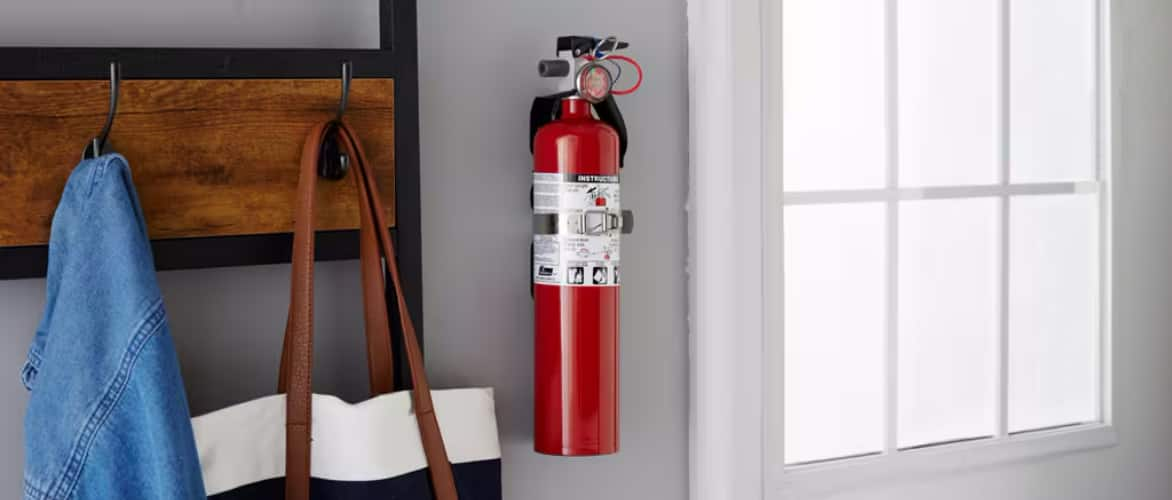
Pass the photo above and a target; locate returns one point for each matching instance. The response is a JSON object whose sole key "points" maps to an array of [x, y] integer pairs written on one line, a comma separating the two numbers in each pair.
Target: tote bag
{"points": [[408, 445]]}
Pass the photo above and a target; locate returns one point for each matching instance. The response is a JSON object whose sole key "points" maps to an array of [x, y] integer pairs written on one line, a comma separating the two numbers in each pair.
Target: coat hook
{"points": [[332, 162], [347, 69], [98, 144]]}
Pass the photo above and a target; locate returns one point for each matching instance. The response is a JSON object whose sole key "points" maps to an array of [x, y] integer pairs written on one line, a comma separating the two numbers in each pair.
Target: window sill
{"points": [[847, 474]]}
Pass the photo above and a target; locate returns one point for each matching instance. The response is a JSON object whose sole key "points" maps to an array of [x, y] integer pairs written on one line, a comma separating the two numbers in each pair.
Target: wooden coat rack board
{"points": [[213, 138], [209, 157]]}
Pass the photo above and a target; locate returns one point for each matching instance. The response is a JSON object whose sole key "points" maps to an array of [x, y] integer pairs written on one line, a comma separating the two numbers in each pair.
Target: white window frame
{"points": [[734, 213]]}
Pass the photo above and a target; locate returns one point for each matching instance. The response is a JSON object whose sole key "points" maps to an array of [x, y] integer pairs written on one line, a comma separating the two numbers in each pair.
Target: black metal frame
{"points": [[396, 57]]}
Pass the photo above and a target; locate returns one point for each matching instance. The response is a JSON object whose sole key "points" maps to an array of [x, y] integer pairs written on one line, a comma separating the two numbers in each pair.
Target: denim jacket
{"points": [[107, 416]]}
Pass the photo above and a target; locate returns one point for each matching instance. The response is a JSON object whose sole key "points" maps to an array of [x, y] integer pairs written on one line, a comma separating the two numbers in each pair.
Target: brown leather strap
{"points": [[297, 355], [379, 356], [379, 361], [297, 371], [439, 467]]}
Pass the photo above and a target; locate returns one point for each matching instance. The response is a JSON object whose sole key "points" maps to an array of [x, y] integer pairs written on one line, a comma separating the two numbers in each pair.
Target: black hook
{"points": [[332, 162], [98, 144], [347, 71]]}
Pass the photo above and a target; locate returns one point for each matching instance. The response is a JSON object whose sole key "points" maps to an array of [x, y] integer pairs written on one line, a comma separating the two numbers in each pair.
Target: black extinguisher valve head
{"points": [[582, 45]]}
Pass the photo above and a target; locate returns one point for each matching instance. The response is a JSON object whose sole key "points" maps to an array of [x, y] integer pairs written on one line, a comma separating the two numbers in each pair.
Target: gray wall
{"points": [[227, 322], [477, 77]]}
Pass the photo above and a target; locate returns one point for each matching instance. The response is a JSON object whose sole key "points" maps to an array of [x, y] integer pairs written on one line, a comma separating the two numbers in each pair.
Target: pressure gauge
{"points": [[594, 82]]}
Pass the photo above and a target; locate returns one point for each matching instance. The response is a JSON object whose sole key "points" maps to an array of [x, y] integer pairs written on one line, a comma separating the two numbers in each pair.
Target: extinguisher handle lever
{"points": [[579, 45]]}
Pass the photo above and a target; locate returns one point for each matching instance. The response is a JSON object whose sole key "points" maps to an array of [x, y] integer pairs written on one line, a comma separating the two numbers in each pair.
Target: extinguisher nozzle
{"points": [[553, 68]]}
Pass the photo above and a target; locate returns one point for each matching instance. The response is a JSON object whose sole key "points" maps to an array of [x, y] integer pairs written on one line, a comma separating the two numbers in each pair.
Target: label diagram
{"points": [[585, 250]]}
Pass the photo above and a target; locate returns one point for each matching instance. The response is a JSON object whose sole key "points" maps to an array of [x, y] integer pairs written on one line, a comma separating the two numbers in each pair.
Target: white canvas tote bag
{"points": [[410, 445]]}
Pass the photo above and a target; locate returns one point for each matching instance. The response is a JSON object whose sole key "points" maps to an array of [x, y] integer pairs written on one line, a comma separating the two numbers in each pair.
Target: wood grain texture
{"points": [[209, 157]]}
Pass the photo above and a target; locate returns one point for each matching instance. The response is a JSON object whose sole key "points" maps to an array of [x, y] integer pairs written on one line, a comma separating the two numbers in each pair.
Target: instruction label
{"points": [[585, 250]]}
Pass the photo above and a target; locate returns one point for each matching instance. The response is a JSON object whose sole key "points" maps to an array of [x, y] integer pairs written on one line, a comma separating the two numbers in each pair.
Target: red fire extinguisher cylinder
{"points": [[576, 303]]}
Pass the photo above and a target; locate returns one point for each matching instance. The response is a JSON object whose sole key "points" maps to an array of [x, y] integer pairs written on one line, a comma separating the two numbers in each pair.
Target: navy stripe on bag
{"points": [[474, 480]]}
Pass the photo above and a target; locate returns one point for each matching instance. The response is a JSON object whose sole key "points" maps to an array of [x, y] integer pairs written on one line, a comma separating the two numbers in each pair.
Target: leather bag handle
{"points": [[298, 365], [379, 354]]}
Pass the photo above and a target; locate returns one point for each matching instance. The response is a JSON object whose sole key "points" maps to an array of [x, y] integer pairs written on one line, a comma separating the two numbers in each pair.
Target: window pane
{"points": [[1052, 90], [834, 315], [1053, 311], [947, 320], [834, 94], [948, 100]]}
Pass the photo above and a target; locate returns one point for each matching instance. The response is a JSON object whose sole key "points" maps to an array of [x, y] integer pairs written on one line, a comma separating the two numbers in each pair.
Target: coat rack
{"points": [[213, 137]]}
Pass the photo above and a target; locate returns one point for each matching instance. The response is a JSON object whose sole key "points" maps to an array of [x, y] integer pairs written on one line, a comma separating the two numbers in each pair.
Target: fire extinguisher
{"points": [[578, 139]]}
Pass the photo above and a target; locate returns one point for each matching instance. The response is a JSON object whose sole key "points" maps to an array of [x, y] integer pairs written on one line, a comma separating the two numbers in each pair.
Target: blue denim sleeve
{"points": [[107, 416]]}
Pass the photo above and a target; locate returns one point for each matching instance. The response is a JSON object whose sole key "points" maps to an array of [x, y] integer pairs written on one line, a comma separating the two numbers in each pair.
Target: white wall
{"points": [[477, 76], [1140, 467]]}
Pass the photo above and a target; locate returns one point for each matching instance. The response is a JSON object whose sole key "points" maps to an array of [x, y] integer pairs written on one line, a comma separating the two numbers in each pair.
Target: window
{"points": [[944, 241]]}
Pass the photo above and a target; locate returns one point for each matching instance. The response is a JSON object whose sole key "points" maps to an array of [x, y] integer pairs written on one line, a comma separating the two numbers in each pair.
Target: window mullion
{"points": [[891, 396], [1103, 176], [1001, 427], [938, 192]]}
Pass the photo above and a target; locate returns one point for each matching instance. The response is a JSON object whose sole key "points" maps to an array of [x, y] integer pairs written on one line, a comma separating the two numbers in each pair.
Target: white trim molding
{"points": [[726, 250], [822, 480]]}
